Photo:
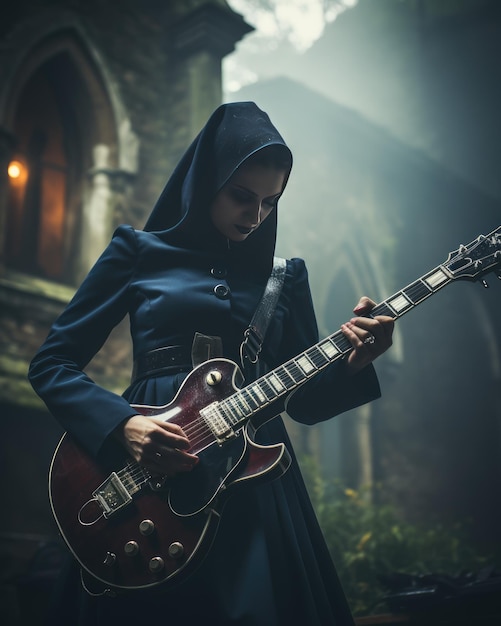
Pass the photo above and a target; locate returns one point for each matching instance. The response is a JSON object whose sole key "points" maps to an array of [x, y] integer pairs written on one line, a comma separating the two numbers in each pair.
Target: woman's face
{"points": [[246, 200]]}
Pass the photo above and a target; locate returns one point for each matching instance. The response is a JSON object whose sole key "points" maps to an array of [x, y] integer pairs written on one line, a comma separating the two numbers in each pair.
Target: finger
{"points": [[354, 334], [364, 306], [175, 455], [171, 435], [364, 340], [383, 329], [365, 327], [378, 325]]}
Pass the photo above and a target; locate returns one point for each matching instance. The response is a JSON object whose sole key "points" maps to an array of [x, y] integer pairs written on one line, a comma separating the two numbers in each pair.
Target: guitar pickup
{"points": [[111, 495], [218, 425]]}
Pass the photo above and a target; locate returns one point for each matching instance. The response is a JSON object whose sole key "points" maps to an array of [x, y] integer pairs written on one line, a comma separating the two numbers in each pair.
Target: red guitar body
{"points": [[129, 530]]}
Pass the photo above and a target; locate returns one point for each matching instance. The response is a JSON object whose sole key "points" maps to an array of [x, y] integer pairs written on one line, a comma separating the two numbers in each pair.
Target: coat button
{"points": [[221, 291], [218, 272]]}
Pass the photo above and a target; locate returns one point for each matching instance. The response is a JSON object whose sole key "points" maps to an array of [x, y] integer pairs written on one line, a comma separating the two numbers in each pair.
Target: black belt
{"points": [[171, 360]]}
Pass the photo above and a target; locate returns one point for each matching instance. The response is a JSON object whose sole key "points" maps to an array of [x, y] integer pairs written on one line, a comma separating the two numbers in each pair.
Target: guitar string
{"points": [[240, 401], [200, 433], [414, 292], [136, 470]]}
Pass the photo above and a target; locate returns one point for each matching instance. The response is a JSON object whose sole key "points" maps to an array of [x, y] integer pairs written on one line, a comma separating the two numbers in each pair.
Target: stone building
{"points": [[97, 102]]}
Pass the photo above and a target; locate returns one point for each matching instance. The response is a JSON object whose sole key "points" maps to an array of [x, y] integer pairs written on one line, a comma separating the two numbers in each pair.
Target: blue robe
{"points": [[269, 564]]}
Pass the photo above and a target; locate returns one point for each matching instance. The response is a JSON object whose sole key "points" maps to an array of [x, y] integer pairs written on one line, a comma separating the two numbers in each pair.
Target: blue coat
{"points": [[269, 564]]}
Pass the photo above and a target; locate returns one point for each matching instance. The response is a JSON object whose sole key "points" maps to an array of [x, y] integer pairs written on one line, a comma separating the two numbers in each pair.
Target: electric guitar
{"points": [[130, 530]]}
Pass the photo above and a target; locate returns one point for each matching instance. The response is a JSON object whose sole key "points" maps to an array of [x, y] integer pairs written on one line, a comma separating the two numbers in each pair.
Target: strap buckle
{"points": [[250, 347]]}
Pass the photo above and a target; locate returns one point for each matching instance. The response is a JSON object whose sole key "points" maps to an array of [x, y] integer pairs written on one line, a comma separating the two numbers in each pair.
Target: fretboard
{"points": [[240, 406]]}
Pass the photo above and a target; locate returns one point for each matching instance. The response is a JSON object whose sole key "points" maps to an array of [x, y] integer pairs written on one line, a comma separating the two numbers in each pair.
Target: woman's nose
{"points": [[255, 215]]}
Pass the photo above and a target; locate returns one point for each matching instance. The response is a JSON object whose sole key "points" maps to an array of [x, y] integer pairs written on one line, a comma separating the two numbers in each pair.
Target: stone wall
{"points": [[152, 71]]}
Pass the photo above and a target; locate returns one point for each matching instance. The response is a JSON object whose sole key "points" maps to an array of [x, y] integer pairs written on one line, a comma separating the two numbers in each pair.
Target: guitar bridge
{"points": [[111, 495]]}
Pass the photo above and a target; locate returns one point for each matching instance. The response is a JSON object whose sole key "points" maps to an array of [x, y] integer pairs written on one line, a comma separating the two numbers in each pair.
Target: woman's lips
{"points": [[243, 230]]}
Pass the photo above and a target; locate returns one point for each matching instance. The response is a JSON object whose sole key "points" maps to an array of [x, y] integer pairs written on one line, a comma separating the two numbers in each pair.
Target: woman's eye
{"points": [[240, 196]]}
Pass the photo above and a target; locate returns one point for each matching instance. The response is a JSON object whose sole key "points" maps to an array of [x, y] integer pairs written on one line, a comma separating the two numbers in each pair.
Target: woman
{"points": [[199, 269]]}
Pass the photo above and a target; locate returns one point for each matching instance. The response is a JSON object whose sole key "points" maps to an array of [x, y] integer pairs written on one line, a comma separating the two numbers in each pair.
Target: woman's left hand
{"points": [[369, 336]]}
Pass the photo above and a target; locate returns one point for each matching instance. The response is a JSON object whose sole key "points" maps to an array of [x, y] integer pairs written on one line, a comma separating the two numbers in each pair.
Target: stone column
{"points": [[96, 211], [108, 188], [201, 40]]}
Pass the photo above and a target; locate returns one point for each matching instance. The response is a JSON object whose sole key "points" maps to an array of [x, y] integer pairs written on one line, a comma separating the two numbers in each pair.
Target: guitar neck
{"points": [[242, 405]]}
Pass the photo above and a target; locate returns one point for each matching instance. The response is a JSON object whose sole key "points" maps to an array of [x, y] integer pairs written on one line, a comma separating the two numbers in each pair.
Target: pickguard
{"points": [[193, 491]]}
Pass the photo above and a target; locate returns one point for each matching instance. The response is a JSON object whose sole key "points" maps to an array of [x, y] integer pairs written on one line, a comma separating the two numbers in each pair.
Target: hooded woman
{"points": [[190, 283]]}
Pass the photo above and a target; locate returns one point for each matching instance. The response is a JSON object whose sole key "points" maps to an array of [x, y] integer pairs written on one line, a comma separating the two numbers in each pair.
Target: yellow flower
{"points": [[351, 493], [363, 541]]}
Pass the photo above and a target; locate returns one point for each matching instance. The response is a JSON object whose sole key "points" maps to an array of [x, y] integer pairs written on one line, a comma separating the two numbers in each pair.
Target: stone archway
{"points": [[100, 149]]}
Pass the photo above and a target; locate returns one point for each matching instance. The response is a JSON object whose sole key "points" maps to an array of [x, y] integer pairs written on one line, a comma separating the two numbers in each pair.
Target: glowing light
{"points": [[17, 172], [15, 169]]}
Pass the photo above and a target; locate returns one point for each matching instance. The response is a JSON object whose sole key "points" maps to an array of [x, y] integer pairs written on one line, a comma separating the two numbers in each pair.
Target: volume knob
{"points": [[146, 527], [131, 548], [156, 564], [214, 377], [176, 550]]}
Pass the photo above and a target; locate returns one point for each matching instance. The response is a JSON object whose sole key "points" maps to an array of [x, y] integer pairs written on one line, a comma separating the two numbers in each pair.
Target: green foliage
{"points": [[367, 540]]}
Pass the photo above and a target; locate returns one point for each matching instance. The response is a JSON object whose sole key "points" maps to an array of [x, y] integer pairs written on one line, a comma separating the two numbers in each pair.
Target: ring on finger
{"points": [[370, 339]]}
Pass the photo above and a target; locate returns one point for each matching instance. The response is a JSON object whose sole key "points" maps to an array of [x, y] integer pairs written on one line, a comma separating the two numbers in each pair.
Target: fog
{"points": [[393, 118]]}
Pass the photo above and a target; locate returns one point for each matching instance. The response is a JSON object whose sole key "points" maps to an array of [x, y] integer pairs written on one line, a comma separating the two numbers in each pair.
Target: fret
{"points": [[399, 303], [255, 389], [412, 295], [436, 278], [329, 349], [267, 388], [285, 378], [244, 407], [250, 399], [236, 406], [307, 367], [228, 411], [275, 382], [418, 291], [383, 309], [294, 371], [341, 342], [317, 357]]}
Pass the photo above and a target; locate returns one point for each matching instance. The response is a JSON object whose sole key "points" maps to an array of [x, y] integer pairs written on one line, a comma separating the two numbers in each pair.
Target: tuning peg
{"points": [[485, 283]]}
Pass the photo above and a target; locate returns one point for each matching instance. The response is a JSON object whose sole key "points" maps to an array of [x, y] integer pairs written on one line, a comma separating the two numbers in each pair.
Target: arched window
{"points": [[71, 141], [39, 175]]}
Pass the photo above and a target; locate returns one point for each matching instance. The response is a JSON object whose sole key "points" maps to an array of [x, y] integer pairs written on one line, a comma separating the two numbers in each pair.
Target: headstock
{"points": [[478, 258]]}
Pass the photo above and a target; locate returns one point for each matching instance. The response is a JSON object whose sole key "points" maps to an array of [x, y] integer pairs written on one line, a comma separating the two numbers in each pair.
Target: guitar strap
{"points": [[255, 333]]}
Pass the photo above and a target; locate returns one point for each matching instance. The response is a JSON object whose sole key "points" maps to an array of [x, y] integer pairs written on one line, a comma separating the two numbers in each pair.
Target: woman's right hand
{"points": [[159, 446]]}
